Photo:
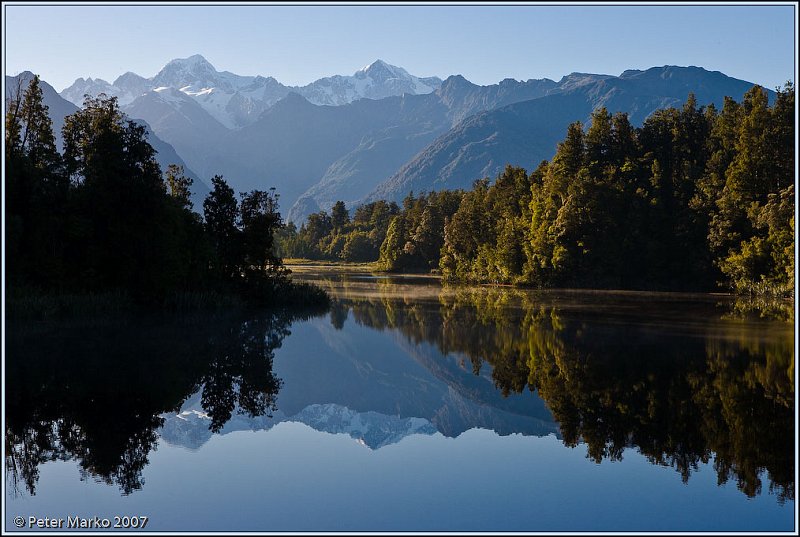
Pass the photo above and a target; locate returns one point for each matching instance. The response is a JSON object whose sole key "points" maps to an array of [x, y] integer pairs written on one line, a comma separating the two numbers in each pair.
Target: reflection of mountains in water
{"points": [[377, 397], [190, 426]]}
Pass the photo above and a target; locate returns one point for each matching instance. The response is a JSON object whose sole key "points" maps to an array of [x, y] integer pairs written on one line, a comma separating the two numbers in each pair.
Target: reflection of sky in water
{"points": [[295, 478]]}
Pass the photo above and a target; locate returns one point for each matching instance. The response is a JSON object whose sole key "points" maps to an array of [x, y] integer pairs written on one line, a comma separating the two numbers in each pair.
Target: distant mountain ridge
{"points": [[315, 155], [236, 100], [525, 133], [198, 120]]}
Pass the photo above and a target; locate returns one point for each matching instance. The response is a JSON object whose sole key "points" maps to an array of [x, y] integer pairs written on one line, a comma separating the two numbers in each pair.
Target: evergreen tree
{"points": [[179, 186], [37, 139], [125, 234], [391, 251], [758, 175], [339, 216], [221, 212], [36, 189], [259, 221], [358, 247]]}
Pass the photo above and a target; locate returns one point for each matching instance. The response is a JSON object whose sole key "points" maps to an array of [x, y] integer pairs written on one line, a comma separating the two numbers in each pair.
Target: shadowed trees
{"points": [[101, 218], [36, 190]]}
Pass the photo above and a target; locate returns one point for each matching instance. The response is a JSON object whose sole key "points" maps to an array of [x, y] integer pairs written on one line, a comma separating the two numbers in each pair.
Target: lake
{"points": [[410, 406]]}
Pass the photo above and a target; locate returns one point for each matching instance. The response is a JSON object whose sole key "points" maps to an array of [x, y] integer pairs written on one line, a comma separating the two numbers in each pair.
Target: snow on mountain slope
{"points": [[236, 100], [189, 427], [375, 81], [94, 87]]}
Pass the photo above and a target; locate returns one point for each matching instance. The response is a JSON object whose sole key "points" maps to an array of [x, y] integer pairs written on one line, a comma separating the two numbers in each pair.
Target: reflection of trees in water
{"points": [[239, 372], [338, 314], [673, 399], [761, 307], [94, 393], [680, 399]]}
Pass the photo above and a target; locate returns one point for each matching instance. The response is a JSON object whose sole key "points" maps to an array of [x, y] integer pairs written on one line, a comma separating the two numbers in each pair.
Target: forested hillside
{"points": [[697, 198]]}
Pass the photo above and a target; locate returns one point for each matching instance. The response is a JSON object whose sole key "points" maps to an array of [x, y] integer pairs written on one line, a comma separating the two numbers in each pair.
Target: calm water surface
{"points": [[410, 407]]}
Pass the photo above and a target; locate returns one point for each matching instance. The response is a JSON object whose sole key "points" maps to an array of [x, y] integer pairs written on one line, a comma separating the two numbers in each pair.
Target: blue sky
{"points": [[299, 44]]}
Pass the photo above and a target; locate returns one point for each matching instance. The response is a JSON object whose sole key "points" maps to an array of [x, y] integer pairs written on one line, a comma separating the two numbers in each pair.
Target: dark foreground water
{"points": [[409, 407]]}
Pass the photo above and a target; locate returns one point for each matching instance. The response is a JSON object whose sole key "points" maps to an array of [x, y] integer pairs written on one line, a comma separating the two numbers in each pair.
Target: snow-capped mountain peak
{"points": [[194, 71], [236, 100], [367, 67], [375, 81], [379, 70], [195, 63]]}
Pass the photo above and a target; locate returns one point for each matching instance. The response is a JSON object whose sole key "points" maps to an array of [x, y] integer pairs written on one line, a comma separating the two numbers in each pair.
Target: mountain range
{"points": [[381, 132], [236, 100], [525, 133]]}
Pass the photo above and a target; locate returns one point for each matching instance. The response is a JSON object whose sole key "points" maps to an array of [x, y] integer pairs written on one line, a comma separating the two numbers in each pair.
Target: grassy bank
{"points": [[295, 263]]}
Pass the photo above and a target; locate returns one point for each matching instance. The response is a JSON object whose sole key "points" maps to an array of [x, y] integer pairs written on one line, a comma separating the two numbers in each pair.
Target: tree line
{"points": [[695, 199], [336, 236], [102, 217]]}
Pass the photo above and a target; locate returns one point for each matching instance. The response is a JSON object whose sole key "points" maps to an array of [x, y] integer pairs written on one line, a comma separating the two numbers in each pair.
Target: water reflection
{"points": [[94, 392], [674, 377], [668, 376], [755, 308]]}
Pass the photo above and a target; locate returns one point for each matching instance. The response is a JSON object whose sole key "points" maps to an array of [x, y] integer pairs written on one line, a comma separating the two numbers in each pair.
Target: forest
{"points": [[696, 199], [103, 219]]}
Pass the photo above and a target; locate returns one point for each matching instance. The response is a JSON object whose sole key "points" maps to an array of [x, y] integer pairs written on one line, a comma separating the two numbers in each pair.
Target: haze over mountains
{"points": [[382, 131]]}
